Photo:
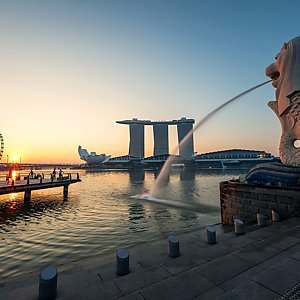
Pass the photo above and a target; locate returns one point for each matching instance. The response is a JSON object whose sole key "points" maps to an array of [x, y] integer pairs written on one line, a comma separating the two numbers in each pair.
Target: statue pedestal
{"points": [[245, 200]]}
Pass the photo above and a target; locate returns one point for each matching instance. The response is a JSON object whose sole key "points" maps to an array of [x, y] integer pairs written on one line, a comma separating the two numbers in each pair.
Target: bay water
{"points": [[100, 216]]}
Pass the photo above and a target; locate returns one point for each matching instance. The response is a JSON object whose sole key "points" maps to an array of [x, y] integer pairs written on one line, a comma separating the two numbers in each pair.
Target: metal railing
{"points": [[27, 178]]}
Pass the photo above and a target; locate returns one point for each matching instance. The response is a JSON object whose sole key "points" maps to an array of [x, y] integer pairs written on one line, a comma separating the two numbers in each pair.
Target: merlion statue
{"points": [[285, 73]]}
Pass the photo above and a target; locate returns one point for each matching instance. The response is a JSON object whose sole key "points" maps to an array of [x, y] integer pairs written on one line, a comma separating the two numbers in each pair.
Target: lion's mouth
{"points": [[272, 72], [275, 75]]}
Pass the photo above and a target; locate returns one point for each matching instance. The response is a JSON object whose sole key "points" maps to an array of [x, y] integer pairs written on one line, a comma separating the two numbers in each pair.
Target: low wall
{"points": [[244, 201]]}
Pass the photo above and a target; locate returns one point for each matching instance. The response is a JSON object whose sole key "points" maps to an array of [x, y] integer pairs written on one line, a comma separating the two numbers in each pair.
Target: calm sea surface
{"points": [[100, 216]]}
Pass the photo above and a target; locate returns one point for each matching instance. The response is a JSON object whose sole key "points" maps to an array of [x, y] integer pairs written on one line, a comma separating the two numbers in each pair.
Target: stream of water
{"points": [[162, 178]]}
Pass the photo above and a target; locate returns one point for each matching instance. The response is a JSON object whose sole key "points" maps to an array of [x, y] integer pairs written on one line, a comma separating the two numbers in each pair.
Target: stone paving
{"points": [[262, 264]]}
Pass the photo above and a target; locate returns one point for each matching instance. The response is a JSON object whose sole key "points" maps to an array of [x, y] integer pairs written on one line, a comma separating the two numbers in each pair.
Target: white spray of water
{"points": [[201, 208], [163, 201]]}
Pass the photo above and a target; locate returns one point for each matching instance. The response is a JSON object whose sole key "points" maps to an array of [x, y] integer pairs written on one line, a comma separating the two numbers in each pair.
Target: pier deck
{"points": [[27, 185]]}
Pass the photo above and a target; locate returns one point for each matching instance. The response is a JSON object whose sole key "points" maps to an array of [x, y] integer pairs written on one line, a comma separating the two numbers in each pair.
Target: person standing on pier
{"points": [[9, 175], [54, 173], [60, 172]]}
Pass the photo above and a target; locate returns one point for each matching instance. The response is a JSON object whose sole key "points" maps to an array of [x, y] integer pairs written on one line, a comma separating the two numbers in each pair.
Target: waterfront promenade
{"points": [[262, 264]]}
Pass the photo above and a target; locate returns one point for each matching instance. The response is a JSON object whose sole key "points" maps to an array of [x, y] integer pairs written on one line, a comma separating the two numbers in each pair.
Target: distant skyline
{"points": [[70, 69]]}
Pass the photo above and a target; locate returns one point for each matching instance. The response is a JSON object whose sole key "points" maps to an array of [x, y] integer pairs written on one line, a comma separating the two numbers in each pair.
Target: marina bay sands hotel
{"points": [[161, 137]]}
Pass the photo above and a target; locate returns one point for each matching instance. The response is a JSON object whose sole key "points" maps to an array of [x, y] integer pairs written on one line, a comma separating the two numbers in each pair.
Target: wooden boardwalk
{"points": [[29, 184]]}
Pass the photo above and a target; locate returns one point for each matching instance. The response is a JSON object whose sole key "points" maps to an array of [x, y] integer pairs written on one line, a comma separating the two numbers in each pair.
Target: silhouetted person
{"points": [[60, 172], [54, 173], [9, 175]]}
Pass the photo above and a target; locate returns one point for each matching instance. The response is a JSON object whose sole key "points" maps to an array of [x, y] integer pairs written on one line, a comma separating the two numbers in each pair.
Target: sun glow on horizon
{"points": [[15, 158]]}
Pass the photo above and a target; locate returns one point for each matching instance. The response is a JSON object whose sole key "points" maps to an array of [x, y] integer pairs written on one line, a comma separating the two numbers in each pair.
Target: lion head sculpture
{"points": [[285, 73]]}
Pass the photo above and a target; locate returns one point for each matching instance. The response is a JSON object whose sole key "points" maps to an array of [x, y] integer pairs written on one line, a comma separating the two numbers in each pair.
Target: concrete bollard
{"points": [[173, 246], [262, 220], [122, 257], [48, 283], [210, 235], [239, 226], [275, 216]]}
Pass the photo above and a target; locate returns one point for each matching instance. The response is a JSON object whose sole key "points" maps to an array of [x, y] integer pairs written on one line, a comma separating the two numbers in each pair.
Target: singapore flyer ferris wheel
{"points": [[1, 146]]}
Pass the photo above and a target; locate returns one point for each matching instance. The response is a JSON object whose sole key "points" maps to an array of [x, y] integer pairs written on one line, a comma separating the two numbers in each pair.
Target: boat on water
{"points": [[92, 158]]}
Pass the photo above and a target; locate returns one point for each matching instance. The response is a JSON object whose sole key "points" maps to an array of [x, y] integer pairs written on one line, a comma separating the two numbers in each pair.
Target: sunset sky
{"points": [[69, 69]]}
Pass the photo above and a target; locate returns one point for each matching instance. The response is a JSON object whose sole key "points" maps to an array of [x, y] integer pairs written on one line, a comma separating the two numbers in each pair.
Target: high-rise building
{"points": [[137, 140], [161, 139], [186, 148]]}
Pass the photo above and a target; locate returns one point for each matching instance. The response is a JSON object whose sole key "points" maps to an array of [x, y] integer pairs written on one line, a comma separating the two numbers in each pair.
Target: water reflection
{"points": [[17, 209], [136, 212], [187, 174], [161, 216], [137, 175]]}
